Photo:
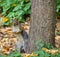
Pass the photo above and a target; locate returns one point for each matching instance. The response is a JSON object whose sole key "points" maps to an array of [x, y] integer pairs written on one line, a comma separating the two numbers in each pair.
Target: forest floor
{"points": [[8, 39], [57, 34]]}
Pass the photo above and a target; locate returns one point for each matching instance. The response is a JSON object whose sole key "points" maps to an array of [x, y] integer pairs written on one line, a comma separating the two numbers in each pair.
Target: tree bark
{"points": [[42, 22]]}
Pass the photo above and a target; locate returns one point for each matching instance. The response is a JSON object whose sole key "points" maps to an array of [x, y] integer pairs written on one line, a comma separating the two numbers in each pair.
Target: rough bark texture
{"points": [[42, 22]]}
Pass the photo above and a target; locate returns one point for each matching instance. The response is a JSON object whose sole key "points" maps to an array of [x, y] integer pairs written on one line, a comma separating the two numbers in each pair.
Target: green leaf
{"points": [[58, 6], [58, 33], [27, 6], [47, 54], [19, 13], [11, 14], [17, 8]]}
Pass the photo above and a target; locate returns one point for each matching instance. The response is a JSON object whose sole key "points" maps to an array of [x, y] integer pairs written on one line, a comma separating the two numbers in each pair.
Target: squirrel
{"points": [[22, 36], [22, 42]]}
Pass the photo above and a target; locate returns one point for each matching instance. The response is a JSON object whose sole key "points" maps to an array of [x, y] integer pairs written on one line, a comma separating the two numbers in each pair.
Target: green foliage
{"points": [[7, 23], [39, 44], [49, 46], [15, 8], [12, 54], [58, 7], [42, 53], [58, 33]]}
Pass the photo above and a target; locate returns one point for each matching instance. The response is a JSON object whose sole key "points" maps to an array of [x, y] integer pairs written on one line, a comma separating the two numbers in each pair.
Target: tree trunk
{"points": [[42, 22]]}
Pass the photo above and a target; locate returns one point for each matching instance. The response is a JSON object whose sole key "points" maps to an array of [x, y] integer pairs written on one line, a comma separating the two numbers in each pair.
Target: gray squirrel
{"points": [[25, 36], [22, 42], [22, 36]]}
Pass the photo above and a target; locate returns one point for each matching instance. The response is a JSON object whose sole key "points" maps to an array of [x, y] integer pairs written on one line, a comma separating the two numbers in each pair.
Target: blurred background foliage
{"points": [[14, 9], [58, 7], [18, 9]]}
